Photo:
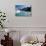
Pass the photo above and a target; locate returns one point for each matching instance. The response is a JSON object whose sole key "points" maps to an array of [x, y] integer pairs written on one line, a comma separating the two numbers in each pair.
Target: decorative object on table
{"points": [[23, 10], [2, 19], [8, 40], [44, 44], [29, 39]]}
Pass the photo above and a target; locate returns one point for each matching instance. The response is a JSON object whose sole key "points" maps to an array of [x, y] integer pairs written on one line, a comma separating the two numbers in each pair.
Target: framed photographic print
{"points": [[23, 10]]}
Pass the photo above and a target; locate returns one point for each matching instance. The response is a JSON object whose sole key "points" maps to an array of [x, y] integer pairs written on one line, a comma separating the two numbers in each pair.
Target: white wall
{"points": [[38, 18]]}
